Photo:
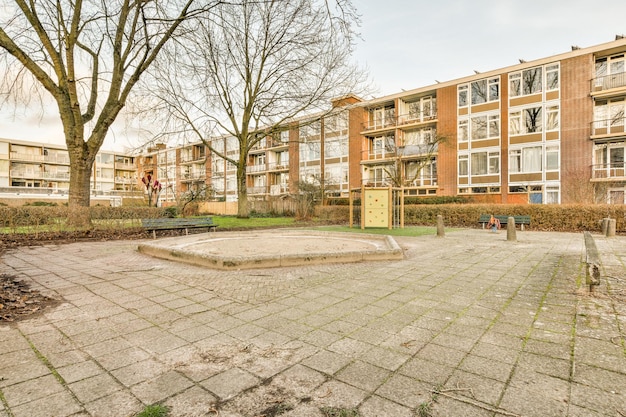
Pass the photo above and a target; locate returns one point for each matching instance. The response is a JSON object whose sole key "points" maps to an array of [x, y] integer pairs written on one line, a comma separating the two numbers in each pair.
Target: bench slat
{"points": [[177, 223]]}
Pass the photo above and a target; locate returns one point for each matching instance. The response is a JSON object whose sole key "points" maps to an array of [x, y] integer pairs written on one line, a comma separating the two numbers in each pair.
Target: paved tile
{"points": [[488, 323]]}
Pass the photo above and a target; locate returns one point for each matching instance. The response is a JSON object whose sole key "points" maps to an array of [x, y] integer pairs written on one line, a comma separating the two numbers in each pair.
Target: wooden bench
{"points": [[521, 220], [592, 259], [178, 223]]}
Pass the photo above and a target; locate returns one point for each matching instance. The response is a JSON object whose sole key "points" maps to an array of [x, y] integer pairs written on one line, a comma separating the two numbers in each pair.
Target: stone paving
{"points": [[466, 325]]}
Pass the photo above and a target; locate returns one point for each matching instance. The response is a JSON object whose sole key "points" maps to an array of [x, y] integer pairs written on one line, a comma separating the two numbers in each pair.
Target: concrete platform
{"points": [[275, 248]]}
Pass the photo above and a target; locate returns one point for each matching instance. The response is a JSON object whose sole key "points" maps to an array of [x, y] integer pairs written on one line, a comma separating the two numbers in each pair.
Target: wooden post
{"points": [[362, 206], [351, 207], [402, 207], [390, 207]]}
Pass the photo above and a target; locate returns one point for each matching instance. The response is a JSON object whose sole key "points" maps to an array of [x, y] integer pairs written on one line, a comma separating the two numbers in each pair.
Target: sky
{"points": [[407, 44]]}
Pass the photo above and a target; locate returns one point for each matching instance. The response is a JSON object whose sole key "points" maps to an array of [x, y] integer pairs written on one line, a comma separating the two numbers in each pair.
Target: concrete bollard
{"points": [[610, 230], [440, 230], [605, 225], [511, 233]]}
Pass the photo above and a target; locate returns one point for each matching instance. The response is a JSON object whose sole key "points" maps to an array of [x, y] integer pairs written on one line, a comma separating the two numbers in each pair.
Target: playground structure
{"points": [[378, 207]]}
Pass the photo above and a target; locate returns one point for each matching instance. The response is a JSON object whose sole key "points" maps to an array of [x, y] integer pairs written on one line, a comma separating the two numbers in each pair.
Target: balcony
{"points": [[125, 180], [278, 189], [26, 157], [26, 174], [608, 127], [57, 159], [192, 176], [377, 124], [278, 166], [606, 83], [608, 172], [256, 190], [127, 167], [413, 119], [252, 169], [56, 175]]}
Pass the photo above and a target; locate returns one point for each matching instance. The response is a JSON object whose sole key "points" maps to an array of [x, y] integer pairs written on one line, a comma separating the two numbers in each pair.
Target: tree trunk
{"points": [[242, 193], [80, 187]]}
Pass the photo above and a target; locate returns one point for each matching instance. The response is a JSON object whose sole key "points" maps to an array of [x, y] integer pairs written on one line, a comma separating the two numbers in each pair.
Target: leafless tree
{"points": [[87, 55], [248, 69], [420, 156]]}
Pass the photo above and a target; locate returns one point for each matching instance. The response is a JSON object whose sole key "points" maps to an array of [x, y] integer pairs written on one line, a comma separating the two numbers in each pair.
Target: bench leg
{"points": [[522, 227], [186, 231], [153, 234]]}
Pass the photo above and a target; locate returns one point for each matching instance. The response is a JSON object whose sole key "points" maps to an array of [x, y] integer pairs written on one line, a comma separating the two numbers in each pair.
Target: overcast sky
{"points": [[411, 43], [408, 44]]}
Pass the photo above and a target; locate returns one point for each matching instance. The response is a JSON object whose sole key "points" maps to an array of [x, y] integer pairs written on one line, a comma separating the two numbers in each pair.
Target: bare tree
{"points": [[249, 68], [88, 55], [418, 156]]}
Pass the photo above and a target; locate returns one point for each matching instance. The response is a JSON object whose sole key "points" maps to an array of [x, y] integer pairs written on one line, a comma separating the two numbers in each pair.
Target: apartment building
{"points": [[547, 131], [32, 170]]}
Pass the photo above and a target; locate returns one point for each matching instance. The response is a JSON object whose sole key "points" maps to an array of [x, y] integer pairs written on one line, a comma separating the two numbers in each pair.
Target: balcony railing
{"points": [[257, 190], [278, 189], [56, 175], [608, 126], [57, 159], [27, 174], [125, 180], [376, 155], [192, 176], [377, 123], [27, 157], [416, 118], [250, 169], [608, 171], [128, 167], [608, 82], [278, 166]]}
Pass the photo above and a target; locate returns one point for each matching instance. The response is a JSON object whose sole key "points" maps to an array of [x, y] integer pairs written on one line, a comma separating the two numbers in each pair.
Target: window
{"points": [[335, 148], [479, 127], [552, 118], [485, 163], [479, 92], [419, 137], [382, 117], [422, 109], [463, 130], [609, 65], [526, 121], [531, 81], [494, 89], [462, 95], [485, 127], [383, 145], [552, 77], [525, 160], [616, 157], [526, 82], [552, 158], [552, 194], [310, 151], [463, 164], [609, 114], [484, 91]]}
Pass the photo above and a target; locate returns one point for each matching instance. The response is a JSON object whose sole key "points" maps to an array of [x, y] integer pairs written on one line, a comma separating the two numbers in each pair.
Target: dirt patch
{"points": [[19, 301]]}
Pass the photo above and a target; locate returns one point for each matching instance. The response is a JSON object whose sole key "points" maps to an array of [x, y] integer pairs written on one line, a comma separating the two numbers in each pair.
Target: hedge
{"points": [[560, 218], [36, 218]]}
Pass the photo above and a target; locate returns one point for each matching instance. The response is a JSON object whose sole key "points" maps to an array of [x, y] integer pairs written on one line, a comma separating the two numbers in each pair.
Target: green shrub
{"points": [[41, 204], [561, 218], [171, 212]]}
